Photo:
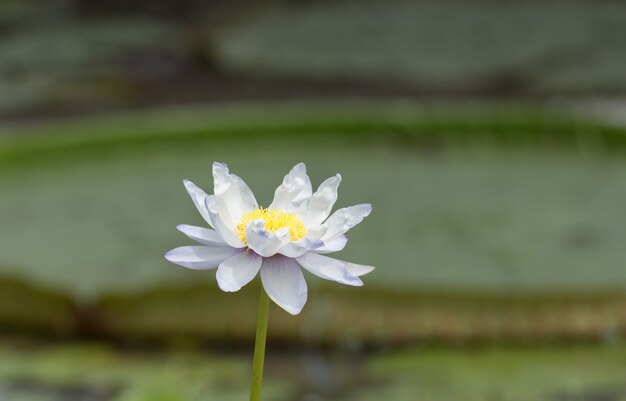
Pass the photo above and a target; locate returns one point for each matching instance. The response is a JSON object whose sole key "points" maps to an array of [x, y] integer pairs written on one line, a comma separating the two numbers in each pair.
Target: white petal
{"points": [[333, 245], [200, 257], [294, 190], [233, 192], [321, 203], [328, 268], [300, 247], [359, 270], [237, 271], [201, 235], [284, 283], [226, 229], [264, 242], [344, 219], [198, 197]]}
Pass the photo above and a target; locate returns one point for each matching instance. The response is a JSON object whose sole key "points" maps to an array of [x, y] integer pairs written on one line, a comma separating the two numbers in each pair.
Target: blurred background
{"points": [[490, 136]]}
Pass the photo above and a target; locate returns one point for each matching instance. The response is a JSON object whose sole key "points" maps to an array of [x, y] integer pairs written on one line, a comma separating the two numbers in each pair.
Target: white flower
{"points": [[294, 230]]}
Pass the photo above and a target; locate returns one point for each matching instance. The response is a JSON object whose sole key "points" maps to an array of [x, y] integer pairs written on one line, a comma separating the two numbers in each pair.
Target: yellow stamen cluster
{"points": [[274, 221]]}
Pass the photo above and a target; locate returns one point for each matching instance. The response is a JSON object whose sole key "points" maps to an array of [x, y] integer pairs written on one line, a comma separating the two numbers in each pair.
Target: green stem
{"points": [[259, 347]]}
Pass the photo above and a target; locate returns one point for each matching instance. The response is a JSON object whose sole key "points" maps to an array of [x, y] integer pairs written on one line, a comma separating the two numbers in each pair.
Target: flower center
{"points": [[274, 221]]}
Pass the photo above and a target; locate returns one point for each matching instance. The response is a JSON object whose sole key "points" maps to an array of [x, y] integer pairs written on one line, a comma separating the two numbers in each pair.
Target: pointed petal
{"points": [[198, 197], [294, 190], [300, 247], [322, 201], [359, 270], [233, 192], [237, 271], [201, 235], [344, 219], [333, 245], [200, 257], [264, 242], [284, 283], [328, 268], [226, 229]]}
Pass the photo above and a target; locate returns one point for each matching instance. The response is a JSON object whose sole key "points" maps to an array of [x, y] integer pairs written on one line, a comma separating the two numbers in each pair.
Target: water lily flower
{"points": [[295, 229]]}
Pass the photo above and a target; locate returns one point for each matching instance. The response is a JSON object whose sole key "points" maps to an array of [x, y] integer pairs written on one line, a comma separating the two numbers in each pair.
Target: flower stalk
{"points": [[259, 347]]}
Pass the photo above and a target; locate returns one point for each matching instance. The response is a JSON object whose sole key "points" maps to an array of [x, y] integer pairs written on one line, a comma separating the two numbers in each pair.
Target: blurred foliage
{"points": [[509, 215], [524, 374], [62, 54], [353, 319], [372, 317], [456, 46], [516, 125], [480, 208], [75, 55], [97, 373], [96, 61], [33, 309]]}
